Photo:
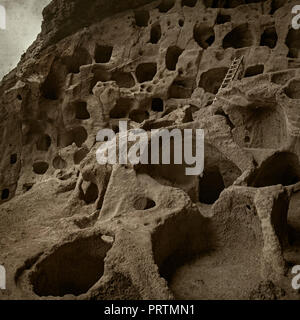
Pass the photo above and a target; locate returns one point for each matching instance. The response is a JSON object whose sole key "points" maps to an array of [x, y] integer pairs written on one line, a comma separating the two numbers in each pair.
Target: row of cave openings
{"points": [[211, 80], [65, 138], [204, 35], [122, 109], [283, 168], [240, 37], [167, 5], [58, 163]]}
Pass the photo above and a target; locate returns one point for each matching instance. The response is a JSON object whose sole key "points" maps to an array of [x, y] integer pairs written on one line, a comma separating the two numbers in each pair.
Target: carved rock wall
{"points": [[151, 232]]}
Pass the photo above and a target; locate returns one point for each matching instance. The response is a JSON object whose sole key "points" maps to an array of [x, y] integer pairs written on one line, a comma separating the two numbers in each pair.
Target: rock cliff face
{"points": [[73, 229]]}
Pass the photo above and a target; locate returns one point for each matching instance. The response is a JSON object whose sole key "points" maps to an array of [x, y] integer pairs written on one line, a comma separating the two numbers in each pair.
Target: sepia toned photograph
{"points": [[150, 151]]}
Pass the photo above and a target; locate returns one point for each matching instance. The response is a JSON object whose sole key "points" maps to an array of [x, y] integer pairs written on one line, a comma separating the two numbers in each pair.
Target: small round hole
{"points": [[13, 158], [144, 204]]}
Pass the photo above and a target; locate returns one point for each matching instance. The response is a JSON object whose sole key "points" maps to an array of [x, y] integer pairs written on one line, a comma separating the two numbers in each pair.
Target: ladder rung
{"points": [[230, 75]]}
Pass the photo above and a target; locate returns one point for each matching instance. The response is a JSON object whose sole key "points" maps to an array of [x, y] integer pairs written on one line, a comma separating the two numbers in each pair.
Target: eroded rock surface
{"points": [[73, 229]]}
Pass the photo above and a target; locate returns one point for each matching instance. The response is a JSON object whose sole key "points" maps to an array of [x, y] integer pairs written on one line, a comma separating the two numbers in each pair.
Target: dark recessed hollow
{"points": [[103, 54], [99, 75], [146, 72], [269, 38], [80, 155], [188, 3], [13, 158], [212, 79], [142, 18], [138, 115], [228, 4], [77, 135], [282, 168], [211, 3], [166, 5], [293, 89], [239, 37], [204, 35], [59, 163], [123, 79], [81, 111], [50, 88], [27, 187], [91, 194], [276, 4], [72, 268], [210, 186], [293, 43], [40, 167], [144, 204], [172, 56], [181, 89], [223, 18], [43, 143], [157, 105], [5, 194], [155, 33], [254, 70], [121, 109], [54, 83], [80, 58]]}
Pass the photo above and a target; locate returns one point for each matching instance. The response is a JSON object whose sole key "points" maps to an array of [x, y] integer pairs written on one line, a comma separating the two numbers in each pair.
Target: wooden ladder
{"points": [[231, 74]]}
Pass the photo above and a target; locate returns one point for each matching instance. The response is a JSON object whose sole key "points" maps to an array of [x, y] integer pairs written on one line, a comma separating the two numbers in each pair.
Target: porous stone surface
{"points": [[73, 229]]}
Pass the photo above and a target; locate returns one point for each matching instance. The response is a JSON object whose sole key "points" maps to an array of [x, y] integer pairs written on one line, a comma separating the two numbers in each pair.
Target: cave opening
{"points": [[204, 35], [172, 57], [269, 38], [146, 72], [142, 18], [155, 34], [240, 37], [103, 54], [211, 186]]}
